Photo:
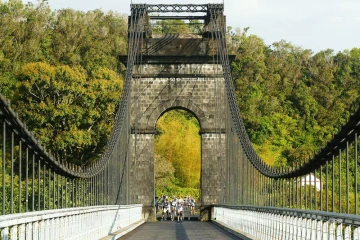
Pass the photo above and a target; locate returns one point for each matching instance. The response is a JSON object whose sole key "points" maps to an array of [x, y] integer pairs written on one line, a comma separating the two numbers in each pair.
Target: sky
{"points": [[310, 24]]}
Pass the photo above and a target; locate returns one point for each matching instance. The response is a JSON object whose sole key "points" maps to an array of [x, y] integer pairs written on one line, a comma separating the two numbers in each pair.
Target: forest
{"points": [[59, 70]]}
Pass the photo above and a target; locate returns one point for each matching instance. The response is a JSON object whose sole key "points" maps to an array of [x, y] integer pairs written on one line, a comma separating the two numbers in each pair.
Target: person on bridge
{"points": [[166, 209], [173, 208], [192, 206], [156, 204], [180, 200], [180, 210], [186, 203]]}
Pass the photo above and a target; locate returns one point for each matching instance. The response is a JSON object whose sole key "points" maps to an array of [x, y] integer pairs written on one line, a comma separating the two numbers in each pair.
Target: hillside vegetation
{"points": [[292, 99], [60, 71]]}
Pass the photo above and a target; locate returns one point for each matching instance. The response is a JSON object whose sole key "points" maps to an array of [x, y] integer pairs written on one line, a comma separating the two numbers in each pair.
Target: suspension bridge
{"points": [[44, 197]]}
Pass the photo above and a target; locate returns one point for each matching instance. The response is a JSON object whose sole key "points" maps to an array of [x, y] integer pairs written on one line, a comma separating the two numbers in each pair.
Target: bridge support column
{"points": [[142, 178], [213, 168]]}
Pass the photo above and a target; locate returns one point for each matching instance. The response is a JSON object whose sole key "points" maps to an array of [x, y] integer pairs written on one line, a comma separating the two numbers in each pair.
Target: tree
{"points": [[164, 173], [179, 143], [70, 113], [33, 33], [176, 26], [93, 39]]}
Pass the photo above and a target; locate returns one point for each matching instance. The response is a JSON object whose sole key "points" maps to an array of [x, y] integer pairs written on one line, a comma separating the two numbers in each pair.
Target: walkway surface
{"points": [[186, 230]]}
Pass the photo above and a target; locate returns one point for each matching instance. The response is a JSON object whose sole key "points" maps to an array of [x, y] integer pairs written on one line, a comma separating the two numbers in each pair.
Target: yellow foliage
{"points": [[70, 111], [179, 143]]}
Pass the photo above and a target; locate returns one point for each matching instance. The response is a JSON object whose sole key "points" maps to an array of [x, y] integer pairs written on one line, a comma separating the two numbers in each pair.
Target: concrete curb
{"points": [[122, 232], [236, 232]]}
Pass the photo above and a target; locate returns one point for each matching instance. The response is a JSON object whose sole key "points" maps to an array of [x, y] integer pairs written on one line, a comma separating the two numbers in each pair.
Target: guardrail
{"points": [[283, 223], [72, 223]]}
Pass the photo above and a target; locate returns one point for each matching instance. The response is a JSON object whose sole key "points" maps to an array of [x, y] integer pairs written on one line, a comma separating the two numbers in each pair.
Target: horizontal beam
{"points": [[164, 8], [177, 17], [167, 59], [178, 75]]}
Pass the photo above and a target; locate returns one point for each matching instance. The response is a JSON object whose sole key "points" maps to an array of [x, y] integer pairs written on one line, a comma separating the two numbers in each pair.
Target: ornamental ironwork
{"points": [[178, 8]]}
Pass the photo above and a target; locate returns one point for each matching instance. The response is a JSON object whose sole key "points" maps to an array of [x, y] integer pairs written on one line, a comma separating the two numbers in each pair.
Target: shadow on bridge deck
{"points": [[185, 230]]}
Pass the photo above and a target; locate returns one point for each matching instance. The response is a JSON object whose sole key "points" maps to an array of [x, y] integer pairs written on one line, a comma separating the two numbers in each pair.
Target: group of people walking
{"points": [[174, 207]]}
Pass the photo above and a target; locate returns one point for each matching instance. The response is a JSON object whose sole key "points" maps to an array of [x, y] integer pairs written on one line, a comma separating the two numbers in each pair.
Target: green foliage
{"points": [[92, 39], [177, 26], [174, 190], [292, 100], [164, 172], [50, 195], [59, 69], [33, 33], [70, 113]]}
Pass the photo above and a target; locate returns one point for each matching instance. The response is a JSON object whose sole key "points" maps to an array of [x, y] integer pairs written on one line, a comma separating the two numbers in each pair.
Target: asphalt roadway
{"points": [[185, 230]]}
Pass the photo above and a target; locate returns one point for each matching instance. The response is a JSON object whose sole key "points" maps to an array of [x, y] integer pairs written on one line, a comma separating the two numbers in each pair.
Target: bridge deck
{"points": [[192, 230]]}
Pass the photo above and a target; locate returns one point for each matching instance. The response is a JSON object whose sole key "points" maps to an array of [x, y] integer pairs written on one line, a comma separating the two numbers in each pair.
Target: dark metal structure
{"points": [[33, 180], [175, 8]]}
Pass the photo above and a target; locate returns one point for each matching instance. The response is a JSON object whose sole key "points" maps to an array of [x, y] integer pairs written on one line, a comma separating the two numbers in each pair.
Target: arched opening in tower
{"points": [[178, 155]]}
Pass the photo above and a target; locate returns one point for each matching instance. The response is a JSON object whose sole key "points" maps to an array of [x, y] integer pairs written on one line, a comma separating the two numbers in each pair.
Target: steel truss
{"points": [[178, 8]]}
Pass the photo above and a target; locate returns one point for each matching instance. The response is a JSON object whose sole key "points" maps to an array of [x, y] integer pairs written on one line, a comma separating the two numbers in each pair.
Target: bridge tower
{"points": [[177, 71]]}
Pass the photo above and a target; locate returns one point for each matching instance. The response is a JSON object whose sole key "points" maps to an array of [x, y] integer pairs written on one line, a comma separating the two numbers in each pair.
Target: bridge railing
{"points": [[72, 223], [327, 181], [285, 223]]}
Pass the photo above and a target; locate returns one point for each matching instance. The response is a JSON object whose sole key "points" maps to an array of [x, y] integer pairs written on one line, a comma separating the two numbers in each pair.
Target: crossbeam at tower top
{"points": [[177, 8]]}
